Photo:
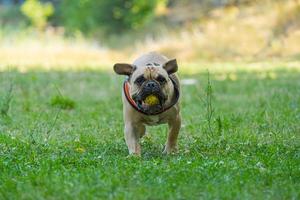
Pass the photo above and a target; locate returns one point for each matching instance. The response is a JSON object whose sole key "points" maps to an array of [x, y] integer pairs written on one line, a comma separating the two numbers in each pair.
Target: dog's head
{"points": [[147, 80]]}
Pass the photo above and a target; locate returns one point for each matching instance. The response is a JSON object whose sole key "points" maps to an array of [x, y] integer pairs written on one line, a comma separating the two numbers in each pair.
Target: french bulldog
{"points": [[151, 76]]}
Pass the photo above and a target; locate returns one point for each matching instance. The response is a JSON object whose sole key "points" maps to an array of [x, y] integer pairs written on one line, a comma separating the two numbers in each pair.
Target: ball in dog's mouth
{"points": [[151, 100], [150, 104]]}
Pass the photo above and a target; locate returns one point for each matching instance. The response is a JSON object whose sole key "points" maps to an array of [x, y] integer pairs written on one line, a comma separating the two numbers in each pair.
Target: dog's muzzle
{"points": [[126, 89], [150, 88]]}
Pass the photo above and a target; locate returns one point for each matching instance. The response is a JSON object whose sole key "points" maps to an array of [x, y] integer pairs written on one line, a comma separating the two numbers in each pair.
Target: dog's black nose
{"points": [[151, 84]]}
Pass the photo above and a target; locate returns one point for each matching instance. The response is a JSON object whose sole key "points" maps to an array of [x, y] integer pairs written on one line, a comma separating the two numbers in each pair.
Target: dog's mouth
{"points": [[150, 103]]}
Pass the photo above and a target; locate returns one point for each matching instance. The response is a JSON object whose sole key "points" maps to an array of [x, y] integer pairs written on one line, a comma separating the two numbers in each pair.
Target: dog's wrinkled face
{"points": [[151, 80]]}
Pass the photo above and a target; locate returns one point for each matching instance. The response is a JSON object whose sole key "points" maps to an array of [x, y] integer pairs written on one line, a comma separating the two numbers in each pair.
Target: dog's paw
{"points": [[170, 150], [133, 155]]}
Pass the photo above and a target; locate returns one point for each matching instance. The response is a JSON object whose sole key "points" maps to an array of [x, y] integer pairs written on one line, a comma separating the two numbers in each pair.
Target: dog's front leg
{"points": [[133, 132], [174, 127]]}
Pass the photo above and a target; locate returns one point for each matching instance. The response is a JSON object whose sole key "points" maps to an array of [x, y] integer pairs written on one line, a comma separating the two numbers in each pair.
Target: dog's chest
{"points": [[153, 120]]}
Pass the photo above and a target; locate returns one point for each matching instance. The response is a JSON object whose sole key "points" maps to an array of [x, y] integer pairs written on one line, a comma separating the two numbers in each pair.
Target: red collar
{"points": [[126, 87]]}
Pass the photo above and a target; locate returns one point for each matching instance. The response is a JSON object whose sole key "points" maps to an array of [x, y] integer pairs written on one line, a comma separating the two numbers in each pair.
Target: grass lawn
{"points": [[61, 137]]}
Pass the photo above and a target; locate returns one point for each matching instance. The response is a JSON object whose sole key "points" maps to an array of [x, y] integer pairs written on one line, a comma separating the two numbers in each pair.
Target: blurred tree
{"points": [[37, 12], [110, 15]]}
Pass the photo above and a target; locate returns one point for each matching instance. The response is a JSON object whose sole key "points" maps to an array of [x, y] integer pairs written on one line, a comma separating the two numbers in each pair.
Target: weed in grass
{"points": [[208, 104], [5, 105], [61, 101], [41, 130], [213, 125], [53, 124], [219, 125], [5, 101], [26, 99]]}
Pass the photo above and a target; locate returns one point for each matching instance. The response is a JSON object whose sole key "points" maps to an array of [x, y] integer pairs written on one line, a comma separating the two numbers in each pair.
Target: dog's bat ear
{"points": [[124, 68], [171, 66]]}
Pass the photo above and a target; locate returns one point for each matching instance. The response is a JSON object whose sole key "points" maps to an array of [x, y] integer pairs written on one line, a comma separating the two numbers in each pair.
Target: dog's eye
{"points": [[161, 79], [140, 80]]}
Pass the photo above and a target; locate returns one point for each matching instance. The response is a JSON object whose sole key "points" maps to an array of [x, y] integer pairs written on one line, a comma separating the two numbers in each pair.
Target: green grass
{"points": [[72, 147]]}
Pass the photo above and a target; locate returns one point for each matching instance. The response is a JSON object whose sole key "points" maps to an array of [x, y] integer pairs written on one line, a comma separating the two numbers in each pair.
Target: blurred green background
{"points": [[93, 33]]}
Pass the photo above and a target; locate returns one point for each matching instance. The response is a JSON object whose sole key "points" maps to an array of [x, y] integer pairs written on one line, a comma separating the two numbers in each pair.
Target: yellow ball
{"points": [[151, 100]]}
